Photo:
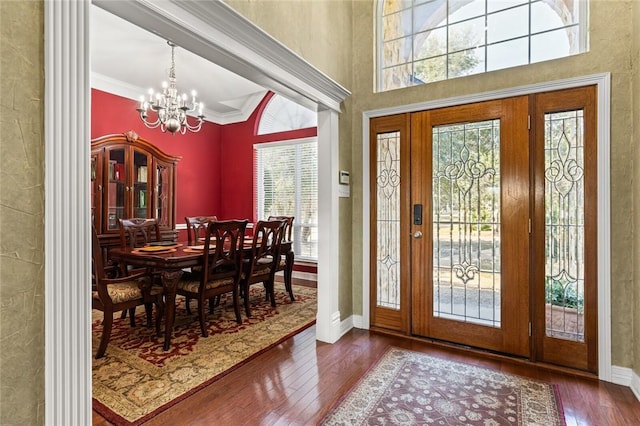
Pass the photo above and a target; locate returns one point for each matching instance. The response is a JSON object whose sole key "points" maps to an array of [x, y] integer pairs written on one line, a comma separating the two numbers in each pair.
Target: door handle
{"points": [[417, 234]]}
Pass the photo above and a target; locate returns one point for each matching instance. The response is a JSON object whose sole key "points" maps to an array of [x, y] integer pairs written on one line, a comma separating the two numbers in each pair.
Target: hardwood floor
{"points": [[297, 382]]}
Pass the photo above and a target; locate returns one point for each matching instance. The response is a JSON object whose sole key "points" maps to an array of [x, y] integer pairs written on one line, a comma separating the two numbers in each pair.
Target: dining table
{"points": [[169, 260]]}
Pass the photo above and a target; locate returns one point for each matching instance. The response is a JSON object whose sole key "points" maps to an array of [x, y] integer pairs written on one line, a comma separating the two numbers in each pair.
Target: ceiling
{"points": [[127, 60]]}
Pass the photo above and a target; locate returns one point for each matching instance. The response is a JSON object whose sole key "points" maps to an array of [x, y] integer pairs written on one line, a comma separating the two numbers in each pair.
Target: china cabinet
{"points": [[130, 177]]}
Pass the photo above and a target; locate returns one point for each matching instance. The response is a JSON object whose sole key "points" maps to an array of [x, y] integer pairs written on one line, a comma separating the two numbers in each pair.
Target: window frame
{"points": [[582, 26], [258, 193]]}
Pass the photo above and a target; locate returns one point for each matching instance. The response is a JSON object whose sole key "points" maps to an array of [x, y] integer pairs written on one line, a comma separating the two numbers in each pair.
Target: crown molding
{"points": [[218, 33]]}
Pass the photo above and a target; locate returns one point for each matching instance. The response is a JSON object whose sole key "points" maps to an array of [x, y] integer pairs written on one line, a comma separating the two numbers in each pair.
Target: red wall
{"points": [[237, 168], [198, 172]]}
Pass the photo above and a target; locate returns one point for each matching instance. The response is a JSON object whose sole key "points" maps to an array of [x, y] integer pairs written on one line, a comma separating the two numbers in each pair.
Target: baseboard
{"points": [[621, 375], [635, 384], [346, 325], [307, 276]]}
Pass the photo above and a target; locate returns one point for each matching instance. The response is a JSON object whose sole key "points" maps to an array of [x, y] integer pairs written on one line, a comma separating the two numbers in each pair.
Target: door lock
{"points": [[417, 234]]}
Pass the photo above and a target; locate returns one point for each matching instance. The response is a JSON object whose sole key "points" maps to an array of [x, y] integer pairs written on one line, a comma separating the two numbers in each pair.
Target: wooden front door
{"points": [[470, 258], [481, 216]]}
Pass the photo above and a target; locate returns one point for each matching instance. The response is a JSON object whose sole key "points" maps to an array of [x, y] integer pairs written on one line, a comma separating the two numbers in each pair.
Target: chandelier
{"points": [[170, 108]]}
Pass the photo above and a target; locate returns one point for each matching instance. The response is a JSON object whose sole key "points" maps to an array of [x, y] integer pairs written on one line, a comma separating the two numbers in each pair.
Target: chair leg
{"points": [[123, 314], [271, 294], [107, 322], [236, 305], [212, 303], [288, 274], [132, 316], [148, 307], [245, 290], [203, 329], [187, 299]]}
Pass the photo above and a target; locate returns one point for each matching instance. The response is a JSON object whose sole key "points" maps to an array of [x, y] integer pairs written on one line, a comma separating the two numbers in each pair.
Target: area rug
{"points": [[411, 388], [136, 379]]}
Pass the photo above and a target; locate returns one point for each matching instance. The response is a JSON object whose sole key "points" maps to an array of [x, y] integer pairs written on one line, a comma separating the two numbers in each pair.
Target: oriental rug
{"points": [[412, 388], [136, 379]]}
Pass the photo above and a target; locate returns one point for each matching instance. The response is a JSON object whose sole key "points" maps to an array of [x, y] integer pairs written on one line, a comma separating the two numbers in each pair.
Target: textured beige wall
{"points": [[610, 51], [21, 213], [636, 145], [320, 31]]}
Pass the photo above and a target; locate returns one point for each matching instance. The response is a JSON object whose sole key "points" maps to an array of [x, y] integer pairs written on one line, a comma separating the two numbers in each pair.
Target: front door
{"points": [[470, 261], [480, 218]]}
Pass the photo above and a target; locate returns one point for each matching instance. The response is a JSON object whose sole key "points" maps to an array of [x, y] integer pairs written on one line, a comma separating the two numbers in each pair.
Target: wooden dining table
{"points": [[170, 263]]}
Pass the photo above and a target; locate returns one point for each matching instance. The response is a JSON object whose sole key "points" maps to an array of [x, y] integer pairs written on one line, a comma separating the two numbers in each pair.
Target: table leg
{"points": [[169, 283]]}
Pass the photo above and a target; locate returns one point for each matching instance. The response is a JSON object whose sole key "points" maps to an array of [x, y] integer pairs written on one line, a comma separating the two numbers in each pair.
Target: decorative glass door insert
{"points": [[466, 222], [388, 220], [564, 225]]}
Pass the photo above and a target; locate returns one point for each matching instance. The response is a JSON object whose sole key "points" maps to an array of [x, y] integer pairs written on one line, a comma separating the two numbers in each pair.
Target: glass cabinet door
{"points": [[116, 190], [96, 192], [163, 193], [140, 187]]}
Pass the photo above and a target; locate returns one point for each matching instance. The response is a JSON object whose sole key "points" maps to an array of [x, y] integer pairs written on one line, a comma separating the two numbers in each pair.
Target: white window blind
{"points": [[287, 185]]}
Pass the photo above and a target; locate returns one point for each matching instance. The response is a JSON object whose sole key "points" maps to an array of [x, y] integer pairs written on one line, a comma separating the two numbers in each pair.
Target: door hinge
{"points": [[529, 328], [528, 122], [529, 225]]}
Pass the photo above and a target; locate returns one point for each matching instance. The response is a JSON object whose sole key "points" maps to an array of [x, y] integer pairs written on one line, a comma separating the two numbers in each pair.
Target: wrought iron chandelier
{"points": [[170, 108]]}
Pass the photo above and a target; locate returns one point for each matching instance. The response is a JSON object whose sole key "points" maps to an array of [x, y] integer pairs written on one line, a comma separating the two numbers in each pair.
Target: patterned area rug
{"points": [[136, 379], [411, 388]]}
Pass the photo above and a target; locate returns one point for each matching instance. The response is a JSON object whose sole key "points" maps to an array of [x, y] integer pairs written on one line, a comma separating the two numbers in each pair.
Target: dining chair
{"points": [[136, 232], [196, 229], [221, 269], [286, 258], [111, 295], [197, 226], [261, 265]]}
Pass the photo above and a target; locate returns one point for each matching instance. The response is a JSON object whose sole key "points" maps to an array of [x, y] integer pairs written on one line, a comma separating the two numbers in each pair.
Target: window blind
{"points": [[287, 185]]}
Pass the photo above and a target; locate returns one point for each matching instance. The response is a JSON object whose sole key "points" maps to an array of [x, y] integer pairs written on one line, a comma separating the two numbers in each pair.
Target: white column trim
{"points": [[603, 83], [328, 318], [67, 275]]}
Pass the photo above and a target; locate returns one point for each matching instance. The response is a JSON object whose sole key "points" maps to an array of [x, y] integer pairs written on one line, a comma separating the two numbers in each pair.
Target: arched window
{"points": [[282, 115], [422, 41]]}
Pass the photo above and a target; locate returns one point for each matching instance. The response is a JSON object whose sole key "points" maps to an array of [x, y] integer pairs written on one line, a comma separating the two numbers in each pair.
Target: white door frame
{"points": [[216, 32], [603, 83]]}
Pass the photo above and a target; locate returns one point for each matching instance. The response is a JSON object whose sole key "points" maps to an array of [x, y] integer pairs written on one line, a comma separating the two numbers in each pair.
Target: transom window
{"points": [[422, 41], [282, 115], [287, 185]]}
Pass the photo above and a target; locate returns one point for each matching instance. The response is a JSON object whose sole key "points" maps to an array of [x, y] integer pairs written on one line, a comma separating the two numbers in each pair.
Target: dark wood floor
{"points": [[297, 382]]}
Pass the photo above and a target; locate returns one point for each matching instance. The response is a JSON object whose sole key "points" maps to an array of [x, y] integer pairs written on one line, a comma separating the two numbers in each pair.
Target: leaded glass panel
{"points": [[564, 225], [388, 220], [466, 222]]}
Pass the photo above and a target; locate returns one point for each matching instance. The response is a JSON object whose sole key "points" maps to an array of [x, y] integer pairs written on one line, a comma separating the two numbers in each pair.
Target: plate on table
{"points": [[155, 249], [200, 247]]}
